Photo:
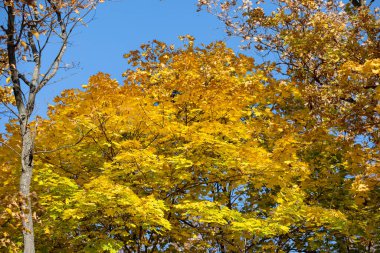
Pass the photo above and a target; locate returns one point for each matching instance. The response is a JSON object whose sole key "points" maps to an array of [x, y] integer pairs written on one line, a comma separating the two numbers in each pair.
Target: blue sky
{"points": [[123, 25]]}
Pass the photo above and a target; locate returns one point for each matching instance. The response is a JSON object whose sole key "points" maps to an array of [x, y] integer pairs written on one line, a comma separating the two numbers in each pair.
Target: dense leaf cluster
{"points": [[202, 150]]}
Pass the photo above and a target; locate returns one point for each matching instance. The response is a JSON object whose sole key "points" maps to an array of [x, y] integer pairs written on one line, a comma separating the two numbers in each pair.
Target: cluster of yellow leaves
{"points": [[6, 95], [192, 144], [329, 51], [10, 219], [201, 149]]}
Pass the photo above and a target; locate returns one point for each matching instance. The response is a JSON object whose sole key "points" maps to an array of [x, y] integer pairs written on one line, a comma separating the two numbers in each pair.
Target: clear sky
{"points": [[120, 26]]}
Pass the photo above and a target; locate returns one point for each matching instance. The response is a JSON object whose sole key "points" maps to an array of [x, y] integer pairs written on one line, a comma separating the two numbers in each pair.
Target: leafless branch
{"points": [[24, 79], [11, 110]]}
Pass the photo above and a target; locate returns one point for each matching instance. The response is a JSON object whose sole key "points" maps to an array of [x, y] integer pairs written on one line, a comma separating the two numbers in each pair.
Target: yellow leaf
{"points": [[23, 44], [8, 80], [35, 34]]}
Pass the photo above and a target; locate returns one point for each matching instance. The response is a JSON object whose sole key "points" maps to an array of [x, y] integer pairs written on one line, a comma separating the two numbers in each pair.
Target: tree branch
{"points": [[65, 146]]}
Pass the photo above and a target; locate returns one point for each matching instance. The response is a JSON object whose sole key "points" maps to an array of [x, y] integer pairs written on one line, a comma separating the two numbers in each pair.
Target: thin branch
{"points": [[48, 36], [65, 146], [154, 138], [52, 70], [371, 86], [10, 147], [18, 39], [10, 109], [3, 28], [64, 34]]}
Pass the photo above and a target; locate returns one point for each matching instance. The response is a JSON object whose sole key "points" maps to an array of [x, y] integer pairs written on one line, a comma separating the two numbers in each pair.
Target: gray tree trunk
{"points": [[25, 181]]}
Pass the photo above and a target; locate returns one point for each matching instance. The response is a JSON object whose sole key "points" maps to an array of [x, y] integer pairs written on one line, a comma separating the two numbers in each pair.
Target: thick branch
{"points": [[24, 79], [11, 51]]}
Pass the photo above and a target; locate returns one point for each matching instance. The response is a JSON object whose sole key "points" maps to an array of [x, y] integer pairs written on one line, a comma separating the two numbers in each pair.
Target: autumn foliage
{"points": [[201, 149]]}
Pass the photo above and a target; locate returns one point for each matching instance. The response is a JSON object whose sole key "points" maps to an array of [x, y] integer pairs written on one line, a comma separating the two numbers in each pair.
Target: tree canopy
{"points": [[204, 150]]}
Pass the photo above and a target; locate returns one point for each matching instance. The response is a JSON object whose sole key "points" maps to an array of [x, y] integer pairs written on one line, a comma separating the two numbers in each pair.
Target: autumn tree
{"points": [[202, 149], [192, 153], [30, 29], [330, 51]]}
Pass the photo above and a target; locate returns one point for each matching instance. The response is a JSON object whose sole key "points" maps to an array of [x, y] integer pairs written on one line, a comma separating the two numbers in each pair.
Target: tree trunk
{"points": [[25, 180]]}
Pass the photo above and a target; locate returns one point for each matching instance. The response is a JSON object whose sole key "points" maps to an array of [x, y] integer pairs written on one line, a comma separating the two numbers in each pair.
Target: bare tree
{"points": [[30, 29]]}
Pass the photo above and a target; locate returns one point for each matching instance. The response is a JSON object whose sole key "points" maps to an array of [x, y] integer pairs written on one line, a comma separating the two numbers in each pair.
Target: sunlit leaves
{"points": [[328, 55], [202, 149], [195, 142]]}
